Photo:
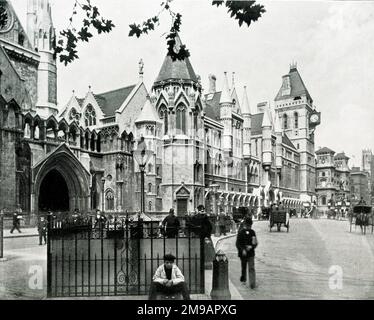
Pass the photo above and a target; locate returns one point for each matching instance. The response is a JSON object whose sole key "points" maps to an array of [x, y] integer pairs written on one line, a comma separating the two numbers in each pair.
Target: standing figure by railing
{"points": [[42, 230], [171, 225]]}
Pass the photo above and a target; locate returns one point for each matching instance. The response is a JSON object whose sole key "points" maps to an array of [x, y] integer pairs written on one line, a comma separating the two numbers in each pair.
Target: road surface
{"points": [[317, 259]]}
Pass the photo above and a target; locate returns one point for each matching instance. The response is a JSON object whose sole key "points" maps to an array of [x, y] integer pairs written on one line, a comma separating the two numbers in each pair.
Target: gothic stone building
{"points": [[208, 148], [333, 179]]}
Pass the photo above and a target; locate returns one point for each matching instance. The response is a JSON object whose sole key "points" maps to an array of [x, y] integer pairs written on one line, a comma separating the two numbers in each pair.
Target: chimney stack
{"points": [[212, 83]]}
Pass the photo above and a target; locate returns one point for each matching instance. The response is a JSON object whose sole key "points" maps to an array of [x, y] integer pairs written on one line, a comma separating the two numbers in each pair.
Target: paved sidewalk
{"points": [[25, 232]]}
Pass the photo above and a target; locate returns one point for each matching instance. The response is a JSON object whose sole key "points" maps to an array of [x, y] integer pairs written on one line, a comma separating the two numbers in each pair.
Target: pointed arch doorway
{"points": [[54, 193], [61, 182]]}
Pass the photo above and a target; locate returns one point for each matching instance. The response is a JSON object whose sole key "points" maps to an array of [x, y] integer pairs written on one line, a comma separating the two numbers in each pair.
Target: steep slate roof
{"points": [[324, 150], [176, 70], [110, 101], [257, 123], [298, 87], [286, 140], [341, 155], [212, 106]]}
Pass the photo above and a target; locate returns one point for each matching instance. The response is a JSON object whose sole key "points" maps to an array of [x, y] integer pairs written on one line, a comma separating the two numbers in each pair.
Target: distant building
{"points": [[333, 180], [368, 166], [359, 186]]}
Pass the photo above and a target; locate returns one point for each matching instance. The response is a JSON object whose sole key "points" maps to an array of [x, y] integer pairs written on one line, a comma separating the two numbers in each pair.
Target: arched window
{"points": [[90, 116], [149, 187], [158, 190], [285, 121], [296, 120], [27, 133], [109, 197], [164, 115], [150, 206], [150, 168], [74, 115], [36, 133], [181, 119]]}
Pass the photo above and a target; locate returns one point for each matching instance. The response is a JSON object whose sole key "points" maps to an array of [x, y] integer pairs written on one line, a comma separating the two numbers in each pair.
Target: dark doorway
{"points": [[181, 207], [54, 193]]}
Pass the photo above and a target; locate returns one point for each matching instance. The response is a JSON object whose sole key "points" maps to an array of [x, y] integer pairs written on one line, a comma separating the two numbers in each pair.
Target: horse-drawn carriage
{"points": [[362, 216], [279, 218]]}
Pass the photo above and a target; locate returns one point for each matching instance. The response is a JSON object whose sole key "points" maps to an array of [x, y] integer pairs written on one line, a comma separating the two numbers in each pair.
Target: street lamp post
{"points": [[142, 156], [102, 194]]}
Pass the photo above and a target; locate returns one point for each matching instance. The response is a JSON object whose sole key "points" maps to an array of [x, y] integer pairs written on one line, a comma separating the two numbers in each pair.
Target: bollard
{"points": [[220, 281], [233, 228]]}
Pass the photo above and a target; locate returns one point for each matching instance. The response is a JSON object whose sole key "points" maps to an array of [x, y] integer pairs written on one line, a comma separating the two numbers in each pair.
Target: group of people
{"points": [[197, 223], [169, 280]]}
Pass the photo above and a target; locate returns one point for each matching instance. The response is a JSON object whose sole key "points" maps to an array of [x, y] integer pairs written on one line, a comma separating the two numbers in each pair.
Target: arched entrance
{"points": [[61, 183], [54, 193]]}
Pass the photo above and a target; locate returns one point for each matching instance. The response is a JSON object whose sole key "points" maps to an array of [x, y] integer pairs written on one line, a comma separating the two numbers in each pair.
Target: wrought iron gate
{"points": [[118, 258]]}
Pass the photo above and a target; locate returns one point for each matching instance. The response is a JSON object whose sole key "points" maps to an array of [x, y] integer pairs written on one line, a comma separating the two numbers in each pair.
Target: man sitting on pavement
{"points": [[168, 280]]}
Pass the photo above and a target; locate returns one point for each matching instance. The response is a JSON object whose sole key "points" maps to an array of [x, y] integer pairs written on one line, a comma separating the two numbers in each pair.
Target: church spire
{"points": [[225, 95], [245, 104]]}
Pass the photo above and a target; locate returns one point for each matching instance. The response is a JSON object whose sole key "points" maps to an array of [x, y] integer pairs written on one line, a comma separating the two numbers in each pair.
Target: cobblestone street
{"points": [[296, 265]]}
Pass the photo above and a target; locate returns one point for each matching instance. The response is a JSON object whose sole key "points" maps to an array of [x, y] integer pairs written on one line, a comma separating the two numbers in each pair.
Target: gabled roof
{"points": [[324, 150], [298, 87], [286, 140], [110, 101], [148, 113], [178, 69]]}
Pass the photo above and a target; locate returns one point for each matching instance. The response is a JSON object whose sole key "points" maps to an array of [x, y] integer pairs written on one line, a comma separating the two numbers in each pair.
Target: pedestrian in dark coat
{"points": [[42, 230], [16, 222], [171, 224], [202, 223], [246, 242]]}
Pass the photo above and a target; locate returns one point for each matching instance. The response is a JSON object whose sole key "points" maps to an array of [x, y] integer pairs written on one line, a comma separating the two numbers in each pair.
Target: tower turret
{"points": [[247, 125], [267, 140], [42, 35], [226, 115]]}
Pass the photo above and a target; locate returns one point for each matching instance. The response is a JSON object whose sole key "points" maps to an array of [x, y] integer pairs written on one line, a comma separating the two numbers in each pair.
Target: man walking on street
{"points": [[16, 222], [246, 242]]}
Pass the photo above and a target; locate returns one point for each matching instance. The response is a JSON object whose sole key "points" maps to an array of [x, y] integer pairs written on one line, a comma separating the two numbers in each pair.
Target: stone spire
{"points": [[225, 95], [245, 104]]}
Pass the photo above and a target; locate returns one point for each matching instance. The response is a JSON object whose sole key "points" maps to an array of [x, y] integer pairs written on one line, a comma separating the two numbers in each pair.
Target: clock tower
{"points": [[298, 118]]}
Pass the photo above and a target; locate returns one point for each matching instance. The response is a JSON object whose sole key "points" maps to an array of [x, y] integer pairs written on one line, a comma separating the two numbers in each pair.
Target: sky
{"points": [[331, 41]]}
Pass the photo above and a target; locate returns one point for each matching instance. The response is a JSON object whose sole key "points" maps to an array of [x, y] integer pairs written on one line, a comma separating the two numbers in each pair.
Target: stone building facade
{"points": [[208, 147], [333, 185]]}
